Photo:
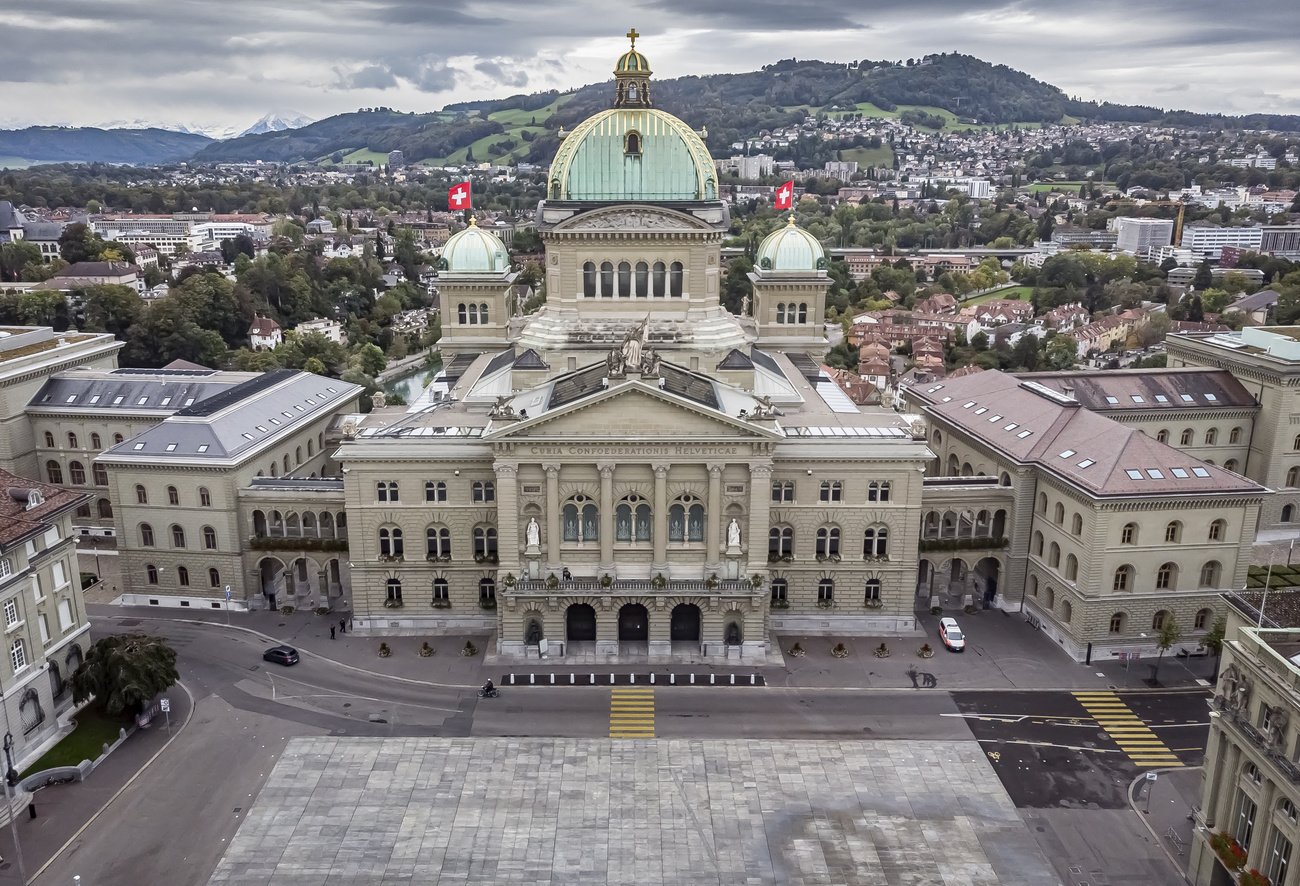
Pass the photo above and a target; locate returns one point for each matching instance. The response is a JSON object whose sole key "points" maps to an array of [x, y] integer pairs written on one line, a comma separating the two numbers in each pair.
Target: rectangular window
{"points": [[60, 577], [1279, 858], [18, 655], [45, 629], [1245, 823], [11, 613], [65, 615]]}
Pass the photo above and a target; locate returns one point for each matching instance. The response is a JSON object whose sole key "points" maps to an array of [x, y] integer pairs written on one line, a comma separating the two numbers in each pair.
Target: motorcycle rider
{"points": [[488, 688]]}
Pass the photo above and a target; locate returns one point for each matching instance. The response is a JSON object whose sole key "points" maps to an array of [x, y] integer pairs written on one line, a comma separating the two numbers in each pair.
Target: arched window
{"points": [[311, 448], [1128, 535], [146, 535], [1162, 437], [624, 280], [642, 280], [675, 280], [437, 542], [461, 316], [485, 543], [878, 491], [297, 456], [95, 442], [1076, 525], [1058, 514], [394, 588], [1071, 567], [435, 491], [589, 279], [803, 312], [581, 519], [780, 592], [151, 571], [141, 497], [72, 440], [1158, 620], [1042, 502], [286, 464], [1117, 623], [606, 279], [54, 471], [390, 542], [1202, 620], [440, 591], [182, 576], [828, 542], [1054, 555], [1210, 574], [483, 314], [1173, 531], [632, 141], [872, 591], [77, 473], [178, 536], [1186, 438], [1295, 444], [1286, 514], [83, 511], [1067, 611], [832, 491], [214, 577], [1050, 597], [205, 497], [780, 542], [632, 519], [1217, 530], [209, 538], [485, 491], [1167, 577], [49, 440], [1038, 544], [105, 509], [1230, 465], [386, 491], [1234, 436], [659, 279], [1211, 436], [1032, 584], [1123, 579], [875, 542], [686, 520], [783, 491], [173, 497], [780, 313], [825, 590], [117, 438]]}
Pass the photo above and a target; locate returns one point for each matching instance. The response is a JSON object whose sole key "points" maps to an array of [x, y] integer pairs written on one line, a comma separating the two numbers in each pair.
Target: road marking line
{"points": [[1046, 744]]}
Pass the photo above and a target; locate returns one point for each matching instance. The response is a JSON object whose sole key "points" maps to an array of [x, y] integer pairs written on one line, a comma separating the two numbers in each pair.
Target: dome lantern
{"points": [[791, 249], [474, 251], [632, 78]]}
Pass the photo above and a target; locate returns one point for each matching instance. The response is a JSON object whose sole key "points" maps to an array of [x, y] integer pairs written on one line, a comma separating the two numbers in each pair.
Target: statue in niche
{"points": [[533, 533], [733, 533]]}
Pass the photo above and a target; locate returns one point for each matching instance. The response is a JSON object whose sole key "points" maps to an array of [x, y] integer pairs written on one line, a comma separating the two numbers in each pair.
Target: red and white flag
{"points": [[785, 196], [458, 197]]}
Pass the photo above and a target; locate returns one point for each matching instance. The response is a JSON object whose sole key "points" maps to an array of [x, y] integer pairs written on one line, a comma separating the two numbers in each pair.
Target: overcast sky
{"points": [[228, 62]]}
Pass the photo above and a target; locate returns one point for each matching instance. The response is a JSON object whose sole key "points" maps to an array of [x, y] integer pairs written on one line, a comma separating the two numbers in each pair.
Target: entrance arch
{"points": [[580, 623], [633, 623], [987, 573], [685, 623]]}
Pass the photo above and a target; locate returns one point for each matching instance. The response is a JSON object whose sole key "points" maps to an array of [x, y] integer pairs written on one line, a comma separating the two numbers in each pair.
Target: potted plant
{"points": [[1229, 850], [881, 651], [552, 582], [509, 580], [487, 603], [425, 649], [384, 651], [1253, 878], [875, 603], [825, 604], [469, 650], [659, 582], [756, 580], [969, 609], [782, 603], [393, 604], [797, 650], [925, 651], [441, 603], [712, 581], [606, 580], [322, 610], [839, 650], [936, 610], [286, 610]]}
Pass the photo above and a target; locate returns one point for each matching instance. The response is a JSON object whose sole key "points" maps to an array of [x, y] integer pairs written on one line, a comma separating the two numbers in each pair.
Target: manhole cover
{"points": [[347, 704]]}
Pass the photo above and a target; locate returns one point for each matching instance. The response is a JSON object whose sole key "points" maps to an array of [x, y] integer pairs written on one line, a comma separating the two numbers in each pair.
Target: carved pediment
{"points": [[631, 220]]}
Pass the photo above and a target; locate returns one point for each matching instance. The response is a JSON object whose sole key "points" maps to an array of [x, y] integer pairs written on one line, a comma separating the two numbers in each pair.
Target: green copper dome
{"points": [[633, 154], [632, 62], [791, 249], [474, 251]]}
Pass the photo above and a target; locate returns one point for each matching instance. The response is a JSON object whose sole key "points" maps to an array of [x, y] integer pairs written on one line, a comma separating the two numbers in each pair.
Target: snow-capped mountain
{"points": [[278, 121]]}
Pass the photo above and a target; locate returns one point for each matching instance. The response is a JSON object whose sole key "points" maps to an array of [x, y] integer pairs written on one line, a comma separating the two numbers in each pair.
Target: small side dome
{"points": [[632, 62], [791, 249], [474, 251]]}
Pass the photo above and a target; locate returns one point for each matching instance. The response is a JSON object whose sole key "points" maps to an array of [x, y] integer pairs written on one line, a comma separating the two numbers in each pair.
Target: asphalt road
{"points": [[173, 823]]}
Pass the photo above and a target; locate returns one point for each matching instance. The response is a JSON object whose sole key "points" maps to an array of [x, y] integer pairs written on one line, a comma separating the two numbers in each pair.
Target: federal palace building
{"points": [[635, 470]]}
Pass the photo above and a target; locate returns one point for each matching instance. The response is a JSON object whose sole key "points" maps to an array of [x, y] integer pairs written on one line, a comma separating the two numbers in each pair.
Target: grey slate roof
{"points": [[134, 390], [1150, 389]]}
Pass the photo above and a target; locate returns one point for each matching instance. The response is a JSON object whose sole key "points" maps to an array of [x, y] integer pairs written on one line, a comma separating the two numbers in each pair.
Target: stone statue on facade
{"points": [[533, 533], [1275, 739], [733, 533], [763, 407], [614, 363], [650, 361], [633, 343], [379, 399], [744, 306], [503, 409]]}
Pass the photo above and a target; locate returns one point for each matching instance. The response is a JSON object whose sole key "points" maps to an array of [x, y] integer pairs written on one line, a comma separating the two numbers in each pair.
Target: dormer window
{"points": [[632, 141]]}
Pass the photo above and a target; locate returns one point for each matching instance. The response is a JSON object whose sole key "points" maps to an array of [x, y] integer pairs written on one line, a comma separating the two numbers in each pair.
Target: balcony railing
{"points": [[978, 543], [634, 586], [1276, 755], [296, 543]]}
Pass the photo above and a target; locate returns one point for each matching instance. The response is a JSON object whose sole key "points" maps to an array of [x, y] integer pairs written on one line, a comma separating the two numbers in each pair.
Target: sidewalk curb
{"points": [[1147, 824], [130, 781]]}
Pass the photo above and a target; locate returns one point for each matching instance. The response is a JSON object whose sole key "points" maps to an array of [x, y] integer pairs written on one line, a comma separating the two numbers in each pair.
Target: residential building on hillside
{"points": [[331, 329], [1141, 235], [264, 334], [1207, 241], [47, 632]]}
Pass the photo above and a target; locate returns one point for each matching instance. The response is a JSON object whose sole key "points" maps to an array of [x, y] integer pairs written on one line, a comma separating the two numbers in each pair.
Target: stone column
{"points": [[607, 519], [507, 520], [554, 530], [760, 503], [713, 520], [659, 561]]}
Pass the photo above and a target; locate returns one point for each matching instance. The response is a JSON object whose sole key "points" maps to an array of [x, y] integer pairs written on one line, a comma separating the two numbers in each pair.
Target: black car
{"points": [[285, 655]]}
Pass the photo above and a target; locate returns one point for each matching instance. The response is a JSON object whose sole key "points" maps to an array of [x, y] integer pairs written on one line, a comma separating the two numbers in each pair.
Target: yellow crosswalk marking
{"points": [[632, 712], [1129, 732]]}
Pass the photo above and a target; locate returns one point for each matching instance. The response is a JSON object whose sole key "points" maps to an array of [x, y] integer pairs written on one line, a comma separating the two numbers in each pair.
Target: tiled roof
{"points": [[1150, 389], [18, 521]]}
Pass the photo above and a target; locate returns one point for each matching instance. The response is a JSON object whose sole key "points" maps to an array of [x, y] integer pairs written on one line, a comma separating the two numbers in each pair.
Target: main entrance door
{"points": [[580, 623], [633, 622], [685, 625]]}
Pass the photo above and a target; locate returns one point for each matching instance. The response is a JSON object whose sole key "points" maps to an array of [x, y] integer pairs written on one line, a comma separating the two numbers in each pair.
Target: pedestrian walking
{"points": [[343, 625], [331, 632]]}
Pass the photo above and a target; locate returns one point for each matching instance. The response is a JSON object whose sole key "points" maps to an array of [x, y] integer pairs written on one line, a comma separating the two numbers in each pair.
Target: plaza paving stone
{"points": [[648, 812]]}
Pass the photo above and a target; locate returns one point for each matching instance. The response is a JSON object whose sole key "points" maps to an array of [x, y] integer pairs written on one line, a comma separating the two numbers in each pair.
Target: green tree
{"points": [[15, 256], [1168, 634], [123, 671], [370, 360], [43, 308], [1213, 641], [1062, 351], [111, 308], [1204, 277]]}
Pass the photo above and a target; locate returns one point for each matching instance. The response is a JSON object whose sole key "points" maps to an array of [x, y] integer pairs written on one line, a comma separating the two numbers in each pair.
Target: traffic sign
{"points": [[165, 704], [1151, 776]]}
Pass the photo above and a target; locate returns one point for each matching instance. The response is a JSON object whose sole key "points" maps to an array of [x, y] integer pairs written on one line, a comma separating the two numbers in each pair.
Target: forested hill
{"points": [[943, 90], [140, 147]]}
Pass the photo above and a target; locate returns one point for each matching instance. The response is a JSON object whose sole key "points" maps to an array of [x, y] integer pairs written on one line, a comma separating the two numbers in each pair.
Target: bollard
{"points": [[692, 679], [552, 679], [711, 676], [31, 810], [672, 679], [593, 679], [752, 680], [652, 679], [571, 680], [532, 678], [733, 679], [512, 679], [611, 679]]}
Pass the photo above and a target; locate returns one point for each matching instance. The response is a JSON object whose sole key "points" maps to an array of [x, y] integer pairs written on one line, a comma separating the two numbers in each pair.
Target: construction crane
{"points": [[1182, 208]]}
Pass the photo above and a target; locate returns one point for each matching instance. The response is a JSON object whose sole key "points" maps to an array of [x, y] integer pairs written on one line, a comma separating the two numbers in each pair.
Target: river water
{"points": [[410, 385]]}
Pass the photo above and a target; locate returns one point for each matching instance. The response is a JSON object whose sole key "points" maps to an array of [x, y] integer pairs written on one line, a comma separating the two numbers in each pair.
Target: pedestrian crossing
{"points": [[632, 712], [1134, 737]]}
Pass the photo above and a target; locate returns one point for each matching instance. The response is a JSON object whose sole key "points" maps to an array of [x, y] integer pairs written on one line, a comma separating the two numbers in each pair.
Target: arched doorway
{"points": [[272, 572], [580, 623], [685, 624], [633, 623], [924, 578], [987, 573]]}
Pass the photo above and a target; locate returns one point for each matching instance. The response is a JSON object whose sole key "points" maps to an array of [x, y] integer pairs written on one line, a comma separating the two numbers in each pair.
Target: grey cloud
{"points": [[369, 77], [516, 78]]}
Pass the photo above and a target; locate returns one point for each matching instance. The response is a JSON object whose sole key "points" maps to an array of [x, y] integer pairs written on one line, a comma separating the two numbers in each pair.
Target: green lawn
{"points": [[1014, 292], [517, 117], [85, 742], [1040, 187], [867, 109], [881, 156]]}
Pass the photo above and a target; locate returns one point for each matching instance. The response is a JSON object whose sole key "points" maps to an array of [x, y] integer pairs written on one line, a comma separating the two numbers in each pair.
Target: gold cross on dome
{"points": [[632, 35]]}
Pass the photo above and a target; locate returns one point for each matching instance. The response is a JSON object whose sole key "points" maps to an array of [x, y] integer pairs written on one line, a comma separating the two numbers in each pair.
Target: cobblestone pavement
{"points": [[671, 812]]}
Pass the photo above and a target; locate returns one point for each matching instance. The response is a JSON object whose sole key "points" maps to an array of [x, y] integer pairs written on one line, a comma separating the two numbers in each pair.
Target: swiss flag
{"points": [[785, 196], [458, 197]]}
